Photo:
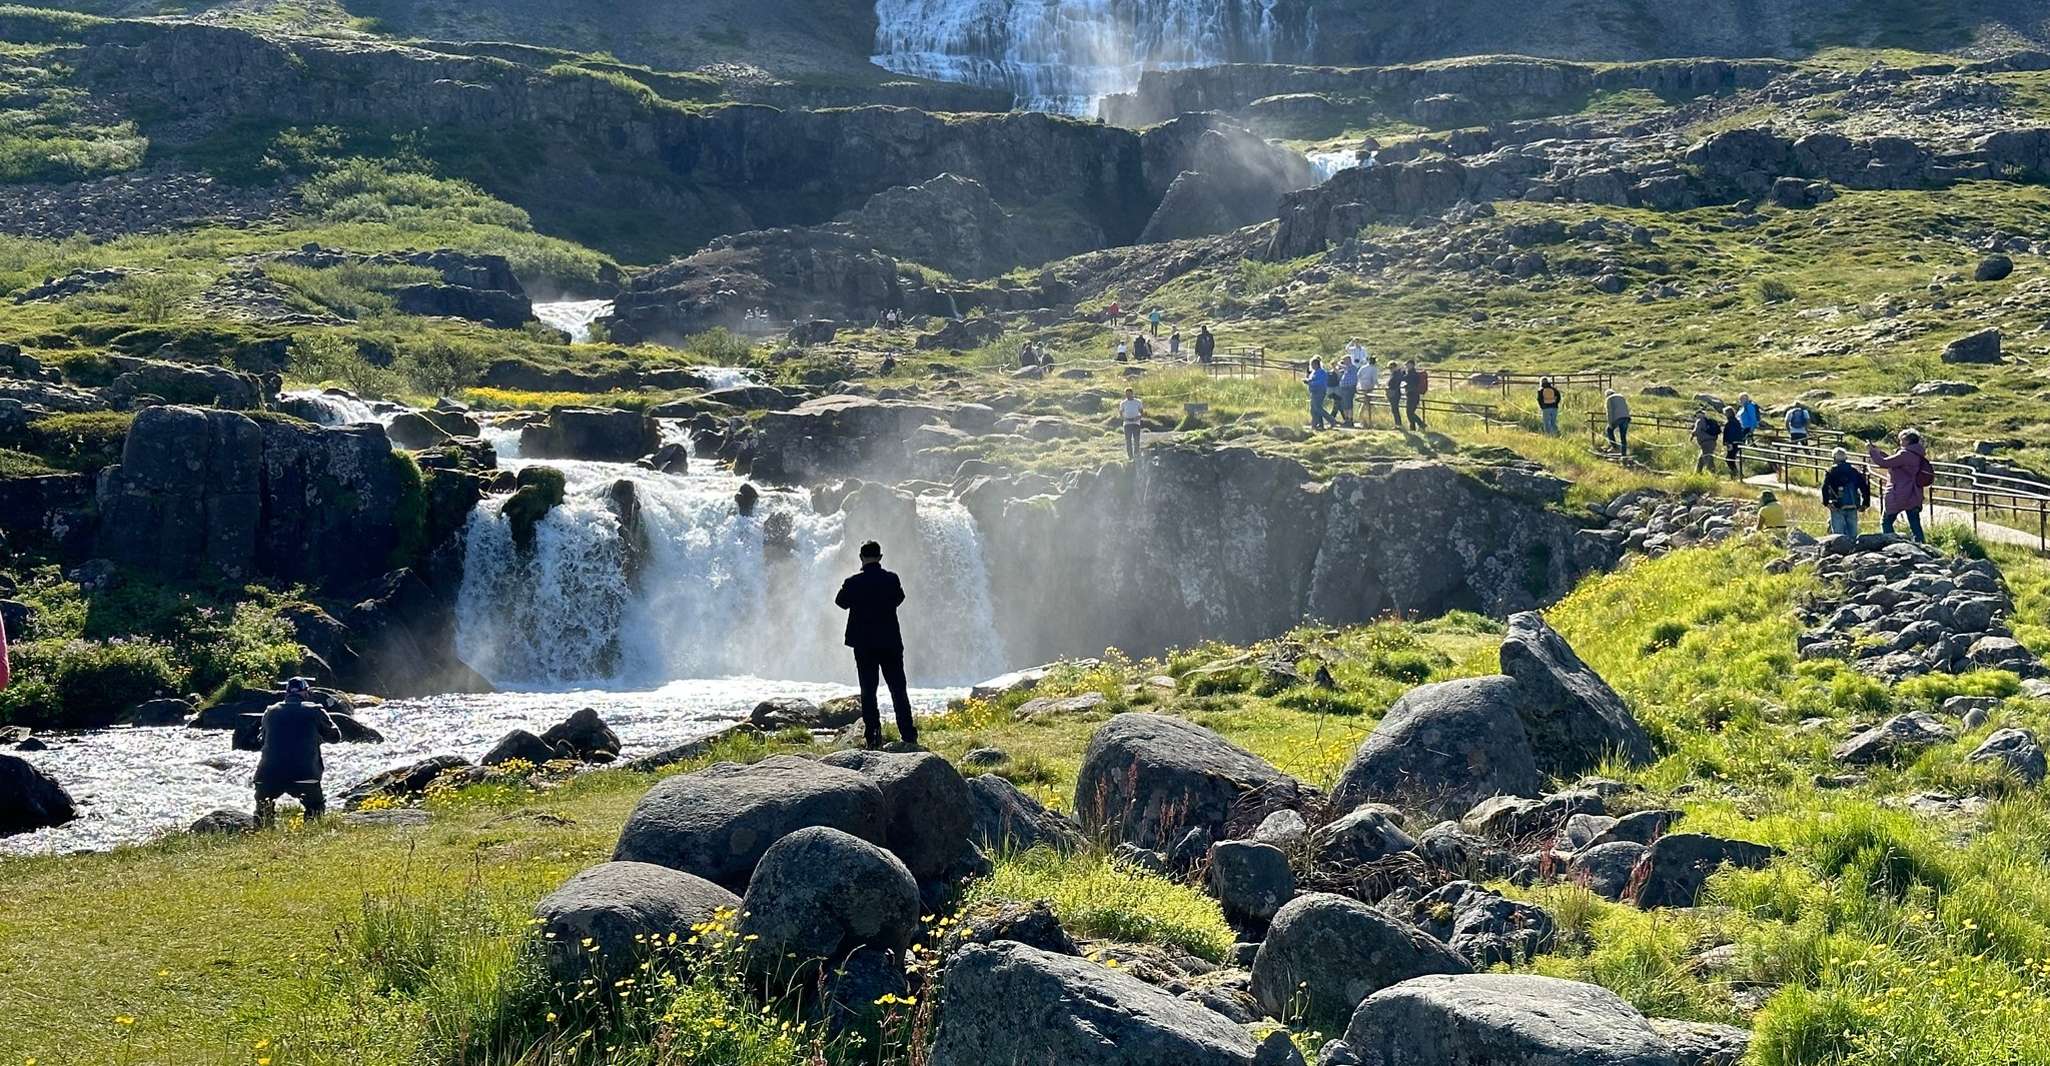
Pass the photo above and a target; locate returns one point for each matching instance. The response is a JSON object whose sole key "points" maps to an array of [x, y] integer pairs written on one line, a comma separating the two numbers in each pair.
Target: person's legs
{"points": [[1915, 523], [1132, 441], [1610, 433], [1886, 522], [867, 667], [1843, 521], [1623, 435], [1551, 421], [900, 696], [1395, 409], [1705, 462], [312, 799], [1730, 457], [1316, 410], [266, 806]]}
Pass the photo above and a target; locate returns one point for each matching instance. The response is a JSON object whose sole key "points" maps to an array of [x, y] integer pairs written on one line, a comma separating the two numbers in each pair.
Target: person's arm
{"points": [[326, 725], [898, 589], [845, 600]]}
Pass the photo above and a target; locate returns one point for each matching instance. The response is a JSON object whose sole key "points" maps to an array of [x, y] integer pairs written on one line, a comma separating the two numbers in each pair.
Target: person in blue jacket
{"points": [[1319, 382]]}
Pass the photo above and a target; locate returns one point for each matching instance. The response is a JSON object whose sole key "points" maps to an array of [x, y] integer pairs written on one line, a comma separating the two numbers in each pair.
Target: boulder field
{"points": [[831, 869]]}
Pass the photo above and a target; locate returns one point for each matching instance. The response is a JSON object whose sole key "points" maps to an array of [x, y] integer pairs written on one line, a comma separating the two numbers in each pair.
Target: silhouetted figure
{"points": [[870, 599], [293, 730], [1206, 345]]}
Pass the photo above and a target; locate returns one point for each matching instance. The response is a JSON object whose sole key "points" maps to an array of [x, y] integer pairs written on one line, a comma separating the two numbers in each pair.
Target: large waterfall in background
{"points": [[716, 594], [1065, 55]]}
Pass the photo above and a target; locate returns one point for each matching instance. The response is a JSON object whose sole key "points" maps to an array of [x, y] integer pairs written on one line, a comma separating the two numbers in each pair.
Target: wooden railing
{"points": [[1990, 496]]}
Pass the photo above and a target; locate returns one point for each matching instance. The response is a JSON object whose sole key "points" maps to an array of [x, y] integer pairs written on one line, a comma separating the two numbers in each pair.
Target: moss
{"points": [[540, 490], [408, 513]]}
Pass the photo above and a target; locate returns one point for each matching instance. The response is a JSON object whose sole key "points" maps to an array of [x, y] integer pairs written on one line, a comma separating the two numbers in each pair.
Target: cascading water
{"points": [[1066, 55], [336, 408], [573, 317], [712, 594]]}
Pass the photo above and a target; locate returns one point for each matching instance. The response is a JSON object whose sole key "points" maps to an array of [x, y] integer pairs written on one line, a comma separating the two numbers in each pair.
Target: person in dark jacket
{"points": [[1397, 378], [1845, 491], [1734, 436], [870, 599], [1206, 345], [1707, 431], [292, 732]]}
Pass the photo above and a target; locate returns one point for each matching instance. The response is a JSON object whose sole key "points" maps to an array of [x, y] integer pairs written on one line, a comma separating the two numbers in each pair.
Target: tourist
{"points": [[290, 764], [1619, 421], [1419, 383], [1134, 414], [1771, 516], [1797, 424], [1348, 390], [1548, 405], [1121, 349], [1747, 413], [1396, 377], [1113, 314], [1356, 352], [1319, 382], [1370, 379], [1734, 436], [1142, 349], [1845, 491], [1206, 345], [1908, 472], [1174, 344], [870, 599], [1153, 320], [1707, 431], [889, 365]]}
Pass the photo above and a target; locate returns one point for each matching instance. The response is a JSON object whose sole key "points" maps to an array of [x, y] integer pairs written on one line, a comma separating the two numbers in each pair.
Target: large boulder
{"points": [[584, 735], [819, 893], [1489, 1019], [1573, 717], [1005, 819], [1672, 873], [1251, 880], [620, 908], [29, 799], [1442, 748], [403, 782], [601, 434], [1148, 780], [2016, 750], [1006, 1003], [522, 745], [1325, 953], [927, 809], [717, 822]]}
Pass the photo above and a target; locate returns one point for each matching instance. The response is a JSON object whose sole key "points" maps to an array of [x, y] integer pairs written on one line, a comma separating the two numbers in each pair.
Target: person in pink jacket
{"points": [[1908, 472]]}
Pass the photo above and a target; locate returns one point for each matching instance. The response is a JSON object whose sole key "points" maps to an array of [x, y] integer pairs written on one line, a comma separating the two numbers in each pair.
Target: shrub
{"points": [[85, 684], [335, 359], [1096, 898], [1774, 291], [440, 367]]}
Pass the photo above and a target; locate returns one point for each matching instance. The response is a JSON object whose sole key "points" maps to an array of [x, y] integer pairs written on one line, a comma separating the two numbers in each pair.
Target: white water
{"points": [[727, 377], [573, 317], [714, 597], [341, 409], [135, 784], [1327, 164], [1066, 55]]}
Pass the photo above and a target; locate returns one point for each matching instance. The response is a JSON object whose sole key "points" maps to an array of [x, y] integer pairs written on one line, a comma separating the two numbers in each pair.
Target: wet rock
{"points": [[1442, 747], [169, 711], [584, 735], [591, 433], [819, 893], [717, 822], [1148, 779], [621, 908], [1325, 953]]}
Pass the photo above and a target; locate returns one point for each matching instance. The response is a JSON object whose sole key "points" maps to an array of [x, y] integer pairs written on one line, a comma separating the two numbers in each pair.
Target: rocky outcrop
{"points": [[1008, 820], [1149, 780], [952, 223], [203, 489], [600, 434], [717, 822], [1463, 1019], [836, 436], [1897, 610]]}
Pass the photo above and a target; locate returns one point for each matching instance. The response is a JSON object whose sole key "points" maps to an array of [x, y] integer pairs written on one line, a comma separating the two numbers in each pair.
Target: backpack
{"points": [[1797, 418], [1925, 475]]}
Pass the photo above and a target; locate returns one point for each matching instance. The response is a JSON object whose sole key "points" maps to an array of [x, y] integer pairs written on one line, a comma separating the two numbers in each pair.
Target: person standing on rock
{"points": [[1134, 415], [293, 730], [1845, 491], [1548, 405], [1319, 381], [1707, 431], [1206, 345], [871, 599], [1908, 472], [1618, 407]]}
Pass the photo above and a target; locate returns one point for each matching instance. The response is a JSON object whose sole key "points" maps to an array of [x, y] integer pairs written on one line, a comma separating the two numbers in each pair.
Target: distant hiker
{"points": [[1370, 379], [1418, 383], [292, 733], [1142, 349], [1113, 314], [1121, 350], [1356, 351], [1707, 431], [1771, 516], [1734, 436], [1174, 344], [889, 365], [1908, 472], [1797, 424], [1153, 320], [1319, 382], [1206, 345], [1397, 377], [1845, 491], [1747, 414], [1618, 433], [1348, 390], [1548, 405], [1134, 414], [870, 599]]}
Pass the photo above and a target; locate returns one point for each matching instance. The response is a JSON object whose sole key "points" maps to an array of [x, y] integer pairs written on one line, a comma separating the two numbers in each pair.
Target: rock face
{"points": [[819, 893], [1442, 748], [1147, 779], [1471, 1019], [927, 809], [29, 800], [1325, 953], [620, 907], [203, 488], [717, 822], [1007, 820], [837, 435], [593, 433], [1008, 1003], [1573, 717]]}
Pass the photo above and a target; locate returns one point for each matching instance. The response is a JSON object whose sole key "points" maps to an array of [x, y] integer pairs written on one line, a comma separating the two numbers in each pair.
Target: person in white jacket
{"points": [[1370, 379], [1134, 415]]}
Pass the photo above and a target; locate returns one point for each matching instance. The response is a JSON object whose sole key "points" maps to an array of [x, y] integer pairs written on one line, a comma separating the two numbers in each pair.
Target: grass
{"points": [[1094, 897]]}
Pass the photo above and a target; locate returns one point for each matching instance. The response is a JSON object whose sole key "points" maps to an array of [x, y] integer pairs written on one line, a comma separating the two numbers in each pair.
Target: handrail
{"points": [[1598, 421], [1255, 361], [1955, 485]]}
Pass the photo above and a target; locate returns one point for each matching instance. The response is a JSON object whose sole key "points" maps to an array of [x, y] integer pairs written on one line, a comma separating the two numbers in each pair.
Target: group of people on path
{"points": [[1405, 387]]}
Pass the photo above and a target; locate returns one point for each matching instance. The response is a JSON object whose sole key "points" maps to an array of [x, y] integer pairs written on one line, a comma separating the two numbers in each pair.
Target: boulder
{"points": [[1485, 927], [1642, 827], [1285, 829], [1251, 880], [2017, 750], [819, 893], [1531, 820], [1365, 835], [1442, 747], [1009, 1003], [403, 782], [584, 736], [785, 712], [1703, 1043], [1148, 779], [224, 822], [1900, 735], [856, 995], [717, 822], [414, 431], [927, 810], [1477, 1019], [167, 711], [1574, 719], [1993, 268], [1325, 953], [600, 434], [620, 908], [29, 799], [520, 744], [1982, 347], [1005, 820], [1673, 871], [1033, 924]]}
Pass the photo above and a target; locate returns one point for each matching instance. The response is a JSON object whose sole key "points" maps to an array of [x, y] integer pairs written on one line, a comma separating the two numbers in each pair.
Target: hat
{"points": [[299, 684], [1767, 497], [1840, 455]]}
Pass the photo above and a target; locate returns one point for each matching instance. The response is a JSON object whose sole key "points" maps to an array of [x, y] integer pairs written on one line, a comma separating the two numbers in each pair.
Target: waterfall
{"points": [[573, 317], [715, 594], [336, 408], [1066, 55]]}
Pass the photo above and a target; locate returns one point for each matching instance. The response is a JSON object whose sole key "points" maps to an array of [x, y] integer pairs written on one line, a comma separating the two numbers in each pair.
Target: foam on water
{"points": [[573, 317], [339, 409]]}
